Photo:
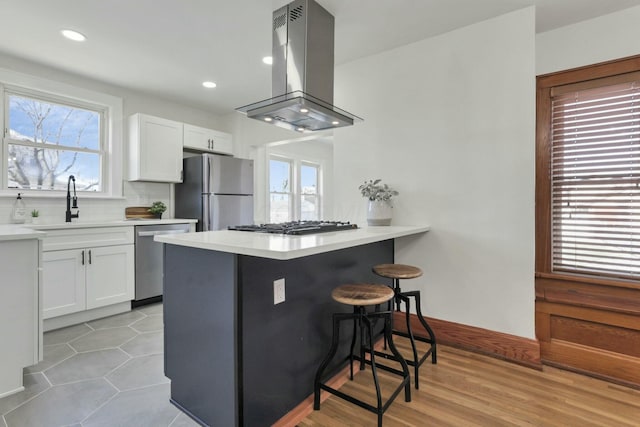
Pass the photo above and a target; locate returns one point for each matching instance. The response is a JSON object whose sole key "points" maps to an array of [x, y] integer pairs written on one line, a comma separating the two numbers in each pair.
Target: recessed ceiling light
{"points": [[209, 85], [335, 123], [300, 129], [268, 60], [74, 35], [267, 119], [304, 110]]}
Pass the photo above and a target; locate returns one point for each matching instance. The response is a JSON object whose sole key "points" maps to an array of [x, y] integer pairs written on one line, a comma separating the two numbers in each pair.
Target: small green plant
{"points": [[35, 213], [374, 190], [157, 208]]}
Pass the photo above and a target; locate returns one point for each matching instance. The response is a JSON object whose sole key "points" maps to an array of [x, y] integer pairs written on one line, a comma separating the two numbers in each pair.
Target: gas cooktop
{"points": [[297, 227]]}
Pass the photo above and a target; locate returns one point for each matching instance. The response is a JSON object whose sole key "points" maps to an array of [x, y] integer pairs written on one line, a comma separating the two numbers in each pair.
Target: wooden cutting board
{"points": [[138, 212]]}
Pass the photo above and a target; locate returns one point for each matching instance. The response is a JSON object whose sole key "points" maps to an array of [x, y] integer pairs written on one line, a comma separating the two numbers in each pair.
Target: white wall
{"points": [[597, 40], [449, 122], [249, 134], [135, 193]]}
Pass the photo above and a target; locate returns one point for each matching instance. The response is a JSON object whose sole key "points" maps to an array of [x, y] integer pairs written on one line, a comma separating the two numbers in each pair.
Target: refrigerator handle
{"points": [[206, 174], [206, 197], [206, 212]]}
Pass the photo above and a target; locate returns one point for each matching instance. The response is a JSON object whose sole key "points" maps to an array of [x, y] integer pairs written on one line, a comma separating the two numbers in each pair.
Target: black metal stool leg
{"points": [[389, 309], [425, 325], [374, 371], [412, 340], [361, 316], [353, 343], [396, 289], [332, 352], [388, 329]]}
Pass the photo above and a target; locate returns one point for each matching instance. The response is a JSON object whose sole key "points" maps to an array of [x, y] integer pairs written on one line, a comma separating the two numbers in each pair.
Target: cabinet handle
{"points": [[82, 257], [89, 256]]}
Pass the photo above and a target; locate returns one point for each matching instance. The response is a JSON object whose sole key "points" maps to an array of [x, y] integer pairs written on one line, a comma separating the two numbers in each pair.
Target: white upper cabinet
{"points": [[155, 149], [203, 139]]}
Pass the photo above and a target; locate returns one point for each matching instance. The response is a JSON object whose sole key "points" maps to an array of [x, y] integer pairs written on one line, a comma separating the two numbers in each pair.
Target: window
{"points": [[294, 190], [280, 196], [588, 174], [52, 130], [48, 140], [309, 194]]}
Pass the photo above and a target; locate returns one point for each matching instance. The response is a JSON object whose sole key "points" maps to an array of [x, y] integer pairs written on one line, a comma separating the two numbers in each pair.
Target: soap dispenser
{"points": [[19, 212]]}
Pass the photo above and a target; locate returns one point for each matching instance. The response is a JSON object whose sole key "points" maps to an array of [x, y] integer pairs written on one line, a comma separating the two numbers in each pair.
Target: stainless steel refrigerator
{"points": [[217, 190]]}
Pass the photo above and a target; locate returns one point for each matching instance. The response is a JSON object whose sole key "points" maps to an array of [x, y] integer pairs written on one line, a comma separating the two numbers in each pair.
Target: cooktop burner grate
{"points": [[297, 227]]}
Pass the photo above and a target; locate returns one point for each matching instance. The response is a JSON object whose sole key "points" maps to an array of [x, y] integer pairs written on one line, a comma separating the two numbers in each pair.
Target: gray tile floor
{"points": [[108, 372]]}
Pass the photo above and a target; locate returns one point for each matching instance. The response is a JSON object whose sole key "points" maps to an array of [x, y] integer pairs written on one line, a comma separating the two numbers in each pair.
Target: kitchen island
{"points": [[233, 356]]}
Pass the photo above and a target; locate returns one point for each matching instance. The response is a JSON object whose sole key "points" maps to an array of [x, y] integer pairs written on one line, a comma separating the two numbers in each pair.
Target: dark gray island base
{"points": [[233, 357]]}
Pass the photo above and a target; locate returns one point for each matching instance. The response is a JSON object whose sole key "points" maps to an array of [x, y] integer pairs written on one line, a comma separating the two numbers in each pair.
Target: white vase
{"points": [[379, 212]]}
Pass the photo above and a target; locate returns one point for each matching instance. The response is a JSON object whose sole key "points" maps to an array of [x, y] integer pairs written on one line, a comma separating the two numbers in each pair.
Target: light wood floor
{"points": [[467, 389]]}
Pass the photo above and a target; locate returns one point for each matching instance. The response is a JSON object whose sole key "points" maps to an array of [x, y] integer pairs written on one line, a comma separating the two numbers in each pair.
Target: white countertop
{"points": [[35, 231], [18, 232], [116, 223], [277, 246]]}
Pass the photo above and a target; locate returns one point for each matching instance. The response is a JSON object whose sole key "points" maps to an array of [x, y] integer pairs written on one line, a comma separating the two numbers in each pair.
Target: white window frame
{"points": [[292, 187], [295, 186], [47, 90], [318, 194]]}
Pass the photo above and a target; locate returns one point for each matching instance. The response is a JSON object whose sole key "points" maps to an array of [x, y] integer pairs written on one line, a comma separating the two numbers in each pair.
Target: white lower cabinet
{"points": [[110, 275], [64, 283], [20, 323], [87, 277]]}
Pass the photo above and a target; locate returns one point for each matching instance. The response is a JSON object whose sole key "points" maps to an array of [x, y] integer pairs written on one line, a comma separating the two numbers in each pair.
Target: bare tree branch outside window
{"points": [[50, 141]]}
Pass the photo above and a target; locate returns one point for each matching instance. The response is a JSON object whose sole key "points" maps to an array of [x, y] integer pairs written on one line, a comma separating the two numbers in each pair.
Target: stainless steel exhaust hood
{"points": [[302, 74]]}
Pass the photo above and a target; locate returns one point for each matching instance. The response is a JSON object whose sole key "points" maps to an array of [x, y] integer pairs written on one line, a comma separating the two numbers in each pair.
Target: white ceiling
{"points": [[168, 47]]}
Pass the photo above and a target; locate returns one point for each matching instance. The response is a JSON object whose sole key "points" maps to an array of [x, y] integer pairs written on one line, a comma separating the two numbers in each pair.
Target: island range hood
{"points": [[302, 73]]}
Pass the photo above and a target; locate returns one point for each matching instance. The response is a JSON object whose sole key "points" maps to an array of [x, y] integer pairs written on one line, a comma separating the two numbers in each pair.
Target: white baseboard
{"points": [[85, 316]]}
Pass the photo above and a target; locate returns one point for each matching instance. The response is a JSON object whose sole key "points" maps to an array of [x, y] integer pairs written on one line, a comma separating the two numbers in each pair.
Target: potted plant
{"points": [[35, 216], [379, 201], [157, 208]]}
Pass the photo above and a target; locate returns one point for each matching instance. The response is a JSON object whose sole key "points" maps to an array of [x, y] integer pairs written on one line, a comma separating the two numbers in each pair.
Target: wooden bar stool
{"points": [[359, 296], [402, 271]]}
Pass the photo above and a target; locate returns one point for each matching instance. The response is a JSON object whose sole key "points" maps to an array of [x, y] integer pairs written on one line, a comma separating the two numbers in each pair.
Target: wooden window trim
{"points": [[545, 84]]}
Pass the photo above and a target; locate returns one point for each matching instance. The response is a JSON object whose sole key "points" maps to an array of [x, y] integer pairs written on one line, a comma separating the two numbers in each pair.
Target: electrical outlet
{"points": [[278, 291]]}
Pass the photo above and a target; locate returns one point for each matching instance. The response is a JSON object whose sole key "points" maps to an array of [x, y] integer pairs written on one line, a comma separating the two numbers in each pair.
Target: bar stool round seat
{"points": [[362, 294], [404, 271], [397, 271], [359, 296]]}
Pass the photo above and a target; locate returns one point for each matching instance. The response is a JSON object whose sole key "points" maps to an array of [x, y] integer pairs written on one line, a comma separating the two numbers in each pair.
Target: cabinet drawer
{"points": [[87, 238]]}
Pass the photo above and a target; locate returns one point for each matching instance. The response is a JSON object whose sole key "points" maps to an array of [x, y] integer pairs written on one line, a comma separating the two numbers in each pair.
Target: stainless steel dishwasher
{"points": [[149, 260]]}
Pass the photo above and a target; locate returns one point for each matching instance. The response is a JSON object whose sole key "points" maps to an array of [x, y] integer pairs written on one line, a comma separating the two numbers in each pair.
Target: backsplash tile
{"points": [[52, 210]]}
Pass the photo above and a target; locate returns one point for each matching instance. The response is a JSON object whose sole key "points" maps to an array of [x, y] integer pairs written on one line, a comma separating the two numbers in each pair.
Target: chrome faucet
{"points": [[68, 214]]}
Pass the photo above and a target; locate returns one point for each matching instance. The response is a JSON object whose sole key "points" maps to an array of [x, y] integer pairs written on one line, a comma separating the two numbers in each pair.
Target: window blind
{"points": [[595, 181]]}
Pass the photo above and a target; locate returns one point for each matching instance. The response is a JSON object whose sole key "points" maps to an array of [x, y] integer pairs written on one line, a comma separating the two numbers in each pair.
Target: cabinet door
{"points": [[203, 139], [63, 282], [155, 149], [222, 143], [110, 275], [197, 138]]}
